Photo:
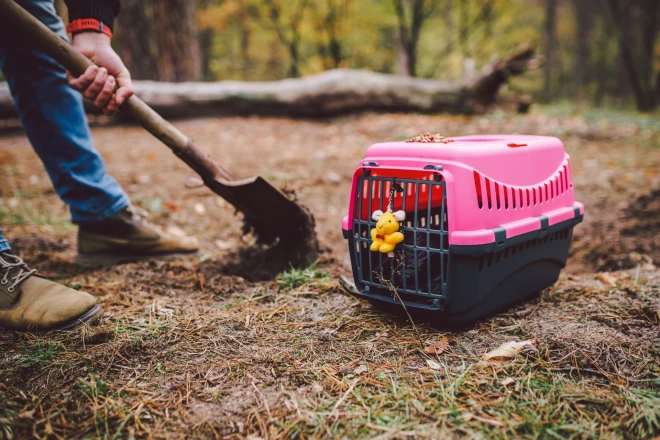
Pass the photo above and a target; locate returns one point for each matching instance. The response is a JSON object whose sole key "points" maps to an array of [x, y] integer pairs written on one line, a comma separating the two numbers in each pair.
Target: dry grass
{"points": [[199, 348]]}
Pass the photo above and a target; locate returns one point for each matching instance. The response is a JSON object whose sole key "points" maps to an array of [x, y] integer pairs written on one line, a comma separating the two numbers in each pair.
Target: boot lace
{"points": [[135, 210], [9, 263], [141, 215]]}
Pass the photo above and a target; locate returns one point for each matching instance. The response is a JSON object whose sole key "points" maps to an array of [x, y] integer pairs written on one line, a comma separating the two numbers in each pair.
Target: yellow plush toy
{"points": [[386, 234]]}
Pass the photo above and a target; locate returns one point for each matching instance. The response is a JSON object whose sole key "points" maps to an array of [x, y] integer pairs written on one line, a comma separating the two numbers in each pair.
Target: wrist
{"points": [[90, 40], [89, 26]]}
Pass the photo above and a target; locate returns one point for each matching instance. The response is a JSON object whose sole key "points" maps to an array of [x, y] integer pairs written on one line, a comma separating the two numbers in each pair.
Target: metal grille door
{"points": [[420, 264]]}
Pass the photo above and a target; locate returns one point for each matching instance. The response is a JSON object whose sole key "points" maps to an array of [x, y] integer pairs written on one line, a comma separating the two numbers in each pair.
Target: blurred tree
{"points": [[483, 20], [231, 20], [135, 34], [590, 53], [205, 44], [329, 16], [176, 36], [288, 31], [637, 23], [464, 14], [583, 13], [411, 15], [549, 47]]}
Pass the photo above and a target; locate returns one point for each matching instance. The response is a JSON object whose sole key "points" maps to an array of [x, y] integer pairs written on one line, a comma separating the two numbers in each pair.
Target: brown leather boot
{"points": [[127, 236], [31, 302]]}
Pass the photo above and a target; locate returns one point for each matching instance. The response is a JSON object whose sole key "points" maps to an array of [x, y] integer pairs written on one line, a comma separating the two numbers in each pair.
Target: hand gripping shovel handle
{"points": [[30, 30]]}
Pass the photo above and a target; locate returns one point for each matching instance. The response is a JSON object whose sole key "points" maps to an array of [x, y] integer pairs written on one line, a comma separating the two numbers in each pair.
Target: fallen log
{"points": [[330, 93]]}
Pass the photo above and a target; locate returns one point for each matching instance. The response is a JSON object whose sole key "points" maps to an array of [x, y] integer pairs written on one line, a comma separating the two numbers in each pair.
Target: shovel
{"points": [[271, 214]]}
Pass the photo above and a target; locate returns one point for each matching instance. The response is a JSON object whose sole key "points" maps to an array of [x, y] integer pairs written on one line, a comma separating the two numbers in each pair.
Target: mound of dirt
{"points": [[622, 239]]}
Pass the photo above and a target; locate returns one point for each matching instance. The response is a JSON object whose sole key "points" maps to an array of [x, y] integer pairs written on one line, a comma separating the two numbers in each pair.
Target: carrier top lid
{"points": [[515, 159]]}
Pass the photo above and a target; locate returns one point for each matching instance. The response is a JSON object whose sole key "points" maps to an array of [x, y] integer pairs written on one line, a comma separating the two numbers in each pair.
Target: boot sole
{"points": [[101, 260], [88, 318]]}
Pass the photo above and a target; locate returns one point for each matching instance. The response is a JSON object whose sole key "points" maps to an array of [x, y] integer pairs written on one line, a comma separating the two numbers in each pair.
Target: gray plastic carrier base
{"points": [[480, 280]]}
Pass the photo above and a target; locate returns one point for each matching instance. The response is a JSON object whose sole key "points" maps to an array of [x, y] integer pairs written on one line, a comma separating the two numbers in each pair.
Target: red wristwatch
{"points": [[88, 24]]}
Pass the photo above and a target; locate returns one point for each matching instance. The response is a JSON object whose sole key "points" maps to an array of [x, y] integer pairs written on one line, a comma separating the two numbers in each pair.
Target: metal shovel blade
{"points": [[268, 211]]}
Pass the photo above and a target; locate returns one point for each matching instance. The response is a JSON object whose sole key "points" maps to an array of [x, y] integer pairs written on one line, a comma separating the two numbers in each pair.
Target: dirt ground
{"points": [[201, 347]]}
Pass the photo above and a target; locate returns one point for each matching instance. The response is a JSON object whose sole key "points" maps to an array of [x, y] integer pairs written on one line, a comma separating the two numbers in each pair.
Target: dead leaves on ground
{"points": [[606, 279], [508, 350], [438, 347], [505, 352]]}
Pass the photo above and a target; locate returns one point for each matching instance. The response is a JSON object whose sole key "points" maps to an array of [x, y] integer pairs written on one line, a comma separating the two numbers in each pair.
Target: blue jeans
{"points": [[54, 120]]}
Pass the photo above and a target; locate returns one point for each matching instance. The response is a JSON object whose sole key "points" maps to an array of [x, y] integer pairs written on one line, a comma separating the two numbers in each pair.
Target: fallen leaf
{"points": [[346, 369], [194, 182], [27, 414], [507, 381], [176, 231], [361, 369], [330, 371], [438, 347], [606, 279], [172, 206], [200, 209], [508, 350], [433, 365], [316, 388], [223, 245]]}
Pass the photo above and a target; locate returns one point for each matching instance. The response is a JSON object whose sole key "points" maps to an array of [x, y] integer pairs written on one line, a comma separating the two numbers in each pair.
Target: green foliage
{"points": [[275, 39], [38, 353], [92, 388], [294, 278]]}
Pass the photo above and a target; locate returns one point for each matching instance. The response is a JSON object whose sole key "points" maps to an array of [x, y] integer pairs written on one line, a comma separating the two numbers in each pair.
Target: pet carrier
{"points": [[461, 228]]}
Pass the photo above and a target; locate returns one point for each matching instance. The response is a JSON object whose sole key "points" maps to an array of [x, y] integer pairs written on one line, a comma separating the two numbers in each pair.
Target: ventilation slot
{"points": [[477, 187], [490, 200]]}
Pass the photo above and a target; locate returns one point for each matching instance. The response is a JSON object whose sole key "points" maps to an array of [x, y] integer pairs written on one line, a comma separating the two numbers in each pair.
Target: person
{"points": [[53, 118]]}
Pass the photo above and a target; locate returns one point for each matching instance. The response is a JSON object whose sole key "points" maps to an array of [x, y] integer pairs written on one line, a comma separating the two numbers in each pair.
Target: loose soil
{"points": [[213, 345]]}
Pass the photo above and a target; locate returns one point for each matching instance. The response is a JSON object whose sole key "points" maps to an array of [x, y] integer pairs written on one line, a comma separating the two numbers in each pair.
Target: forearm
{"points": [[102, 10]]}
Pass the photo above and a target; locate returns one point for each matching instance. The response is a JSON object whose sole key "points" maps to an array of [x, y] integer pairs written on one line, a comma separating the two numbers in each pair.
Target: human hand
{"points": [[98, 83]]}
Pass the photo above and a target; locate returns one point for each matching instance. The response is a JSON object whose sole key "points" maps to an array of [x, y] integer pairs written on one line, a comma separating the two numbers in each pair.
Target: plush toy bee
{"points": [[386, 234]]}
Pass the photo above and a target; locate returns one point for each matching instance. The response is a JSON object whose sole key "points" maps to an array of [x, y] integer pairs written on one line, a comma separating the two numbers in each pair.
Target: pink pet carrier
{"points": [[488, 222]]}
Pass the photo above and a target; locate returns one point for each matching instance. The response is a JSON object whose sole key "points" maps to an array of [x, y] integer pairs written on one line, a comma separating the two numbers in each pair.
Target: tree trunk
{"points": [[640, 78], [404, 61], [650, 15], [134, 32], [549, 47], [245, 48], [409, 33], [177, 40], [335, 92], [463, 28], [582, 21], [289, 33], [205, 45]]}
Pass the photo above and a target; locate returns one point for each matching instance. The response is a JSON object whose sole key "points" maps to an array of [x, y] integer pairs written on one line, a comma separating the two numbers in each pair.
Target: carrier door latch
{"points": [[367, 172], [436, 176]]}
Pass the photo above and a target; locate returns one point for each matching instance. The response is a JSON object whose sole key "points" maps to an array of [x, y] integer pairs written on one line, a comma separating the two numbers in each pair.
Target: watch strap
{"points": [[88, 24]]}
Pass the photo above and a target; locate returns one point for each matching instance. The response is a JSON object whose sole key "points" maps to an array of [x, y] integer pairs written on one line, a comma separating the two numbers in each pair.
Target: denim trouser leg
{"points": [[4, 245], [54, 120]]}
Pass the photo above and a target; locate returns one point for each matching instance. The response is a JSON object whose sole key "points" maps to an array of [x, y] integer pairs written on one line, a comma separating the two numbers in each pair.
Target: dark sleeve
{"points": [[102, 10]]}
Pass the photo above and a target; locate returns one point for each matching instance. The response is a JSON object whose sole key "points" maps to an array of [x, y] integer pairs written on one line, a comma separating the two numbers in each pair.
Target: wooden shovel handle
{"points": [[31, 31]]}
